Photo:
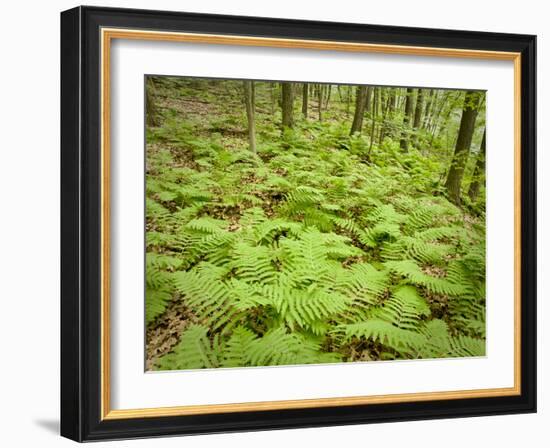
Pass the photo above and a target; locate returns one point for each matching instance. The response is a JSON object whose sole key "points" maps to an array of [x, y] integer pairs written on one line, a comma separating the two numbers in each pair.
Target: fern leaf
{"points": [[193, 351]]}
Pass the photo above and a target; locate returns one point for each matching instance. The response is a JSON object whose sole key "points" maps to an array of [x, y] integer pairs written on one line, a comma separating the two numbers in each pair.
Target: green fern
{"points": [[194, 351], [304, 252]]}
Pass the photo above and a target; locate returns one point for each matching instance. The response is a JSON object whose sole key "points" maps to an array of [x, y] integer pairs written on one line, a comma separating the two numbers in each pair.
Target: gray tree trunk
{"points": [[287, 105], [418, 109], [360, 102], [305, 97], [462, 146], [404, 142], [250, 113]]}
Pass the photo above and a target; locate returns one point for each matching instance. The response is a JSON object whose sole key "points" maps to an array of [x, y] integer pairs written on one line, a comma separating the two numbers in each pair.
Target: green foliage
{"points": [[304, 252]]}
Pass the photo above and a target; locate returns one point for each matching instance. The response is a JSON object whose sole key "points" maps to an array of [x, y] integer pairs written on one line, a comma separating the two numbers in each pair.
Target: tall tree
{"points": [[479, 170], [287, 105], [305, 96], [374, 113], [404, 142], [329, 93], [273, 97], [388, 113], [462, 146], [151, 111], [249, 100], [320, 101], [429, 105], [418, 109], [360, 102]]}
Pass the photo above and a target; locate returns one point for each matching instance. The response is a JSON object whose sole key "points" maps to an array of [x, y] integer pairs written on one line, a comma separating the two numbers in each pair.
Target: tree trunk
{"points": [[151, 111], [250, 113], [404, 142], [374, 111], [462, 146], [418, 109], [360, 102], [287, 105], [273, 97], [305, 96], [429, 105], [388, 114], [479, 170], [320, 101], [329, 92]]}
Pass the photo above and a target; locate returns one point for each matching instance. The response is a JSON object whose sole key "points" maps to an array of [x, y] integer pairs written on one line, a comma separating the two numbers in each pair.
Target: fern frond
{"points": [[208, 298], [277, 347], [253, 263], [193, 351], [238, 347], [363, 283], [405, 308], [304, 308], [384, 332], [411, 271]]}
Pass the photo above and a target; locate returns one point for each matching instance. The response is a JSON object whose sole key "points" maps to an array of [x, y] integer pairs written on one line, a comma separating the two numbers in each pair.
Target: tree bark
{"points": [[151, 111], [374, 111], [404, 142], [462, 146], [329, 93], [418, 109], [320, 101], [360, 102], [305, 97], [388, 114], [249, 101], [287, 105], [479, 170], [429, 105]]}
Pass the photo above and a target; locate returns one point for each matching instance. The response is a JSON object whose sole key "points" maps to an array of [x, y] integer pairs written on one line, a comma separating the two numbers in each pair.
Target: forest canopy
{"points": [[301, 223]]}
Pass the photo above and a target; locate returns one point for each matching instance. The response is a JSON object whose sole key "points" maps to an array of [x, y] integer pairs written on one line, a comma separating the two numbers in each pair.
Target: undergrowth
{"points": [[305, 252]]}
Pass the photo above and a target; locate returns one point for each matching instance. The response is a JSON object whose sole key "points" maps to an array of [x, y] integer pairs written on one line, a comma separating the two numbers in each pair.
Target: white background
{"points": [[29, 121], [133, 388]]}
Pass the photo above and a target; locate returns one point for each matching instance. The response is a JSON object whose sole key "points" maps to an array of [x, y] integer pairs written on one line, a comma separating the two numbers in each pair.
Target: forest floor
{"points": [[304, 252]]}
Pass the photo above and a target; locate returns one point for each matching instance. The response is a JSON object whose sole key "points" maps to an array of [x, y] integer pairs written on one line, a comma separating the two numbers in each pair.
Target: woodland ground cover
{"points": [[295, 224]]}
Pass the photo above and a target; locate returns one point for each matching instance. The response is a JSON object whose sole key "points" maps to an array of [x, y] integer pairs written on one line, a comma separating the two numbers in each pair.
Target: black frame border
{"points": [[81, 223]]}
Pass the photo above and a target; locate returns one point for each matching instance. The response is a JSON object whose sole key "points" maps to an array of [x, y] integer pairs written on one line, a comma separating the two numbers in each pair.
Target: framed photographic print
{"points": [[275, 224]]}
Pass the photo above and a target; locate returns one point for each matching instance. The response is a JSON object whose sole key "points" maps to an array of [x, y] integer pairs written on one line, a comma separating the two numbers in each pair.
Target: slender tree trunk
{"points": [[151, 111], [418, 109], [388, 114], [479, 170], [273, 97], [329, 92], [250, 113], [429, 105], [401, 98], [320, 101], [360, 101], [381, 112], [348, 100], [404, 142], [462, 146], [287, 105], [374, 111], [305, 96]]}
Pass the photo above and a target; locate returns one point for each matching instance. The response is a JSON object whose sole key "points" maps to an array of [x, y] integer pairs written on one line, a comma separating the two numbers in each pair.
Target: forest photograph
{"points": [[292, 223]]}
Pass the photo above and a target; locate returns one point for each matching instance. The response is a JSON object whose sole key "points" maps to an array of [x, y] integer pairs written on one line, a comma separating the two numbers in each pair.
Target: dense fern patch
{"points": [[304, 252]]}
